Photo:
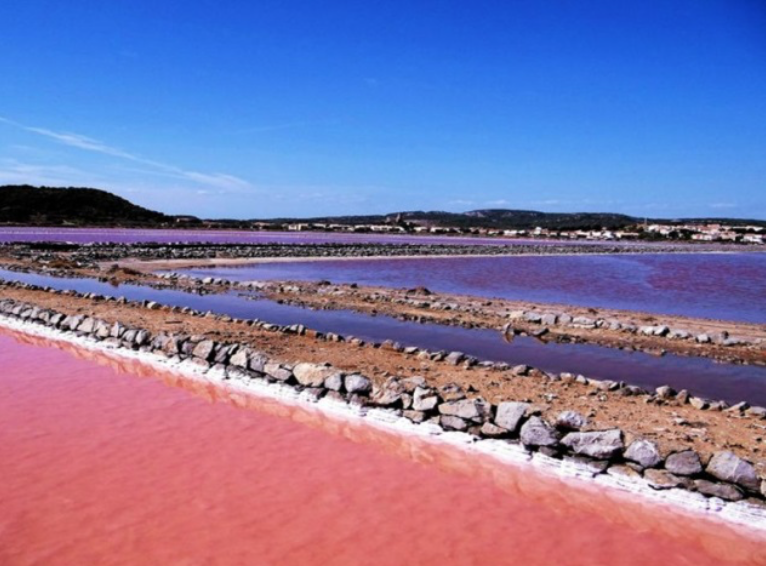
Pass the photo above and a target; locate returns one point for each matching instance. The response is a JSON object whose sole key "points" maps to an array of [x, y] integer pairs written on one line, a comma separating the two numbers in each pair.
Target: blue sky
{"points": [[261, 109]]}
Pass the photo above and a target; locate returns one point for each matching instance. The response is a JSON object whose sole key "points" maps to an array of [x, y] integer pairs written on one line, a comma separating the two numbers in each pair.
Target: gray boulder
{"points": [[390, 393], [278, 371], [455, 358], [583, 321], [101, 330], [536, 432], [699, 403], [450, 422], [728, 467], [424, 399], [358, 384], [117, 330], [532, 317], [88, 325], [549, 319], [257, 362], [686, 463], [334, 382], [643, 452], [509, 415], [665, 392], [129, 336], [725, 491], [660, 479], [172, 346], [469, 409], [601, 445], [312, 375], [204, 350], [241, 358], [571, 420]]}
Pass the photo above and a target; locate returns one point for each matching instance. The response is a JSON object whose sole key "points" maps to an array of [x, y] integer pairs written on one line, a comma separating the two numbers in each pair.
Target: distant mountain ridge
{"points": [[506, 219], [79, 206]]}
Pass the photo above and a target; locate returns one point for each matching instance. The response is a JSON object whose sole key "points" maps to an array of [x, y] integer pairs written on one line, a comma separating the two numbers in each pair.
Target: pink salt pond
{"points": [[111, 462]]}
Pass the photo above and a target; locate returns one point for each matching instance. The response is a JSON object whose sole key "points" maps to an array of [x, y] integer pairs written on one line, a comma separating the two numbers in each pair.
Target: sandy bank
{"points": [[150, 266]]}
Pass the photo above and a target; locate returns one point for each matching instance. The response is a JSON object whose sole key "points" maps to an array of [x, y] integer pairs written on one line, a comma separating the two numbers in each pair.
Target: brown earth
{"points": [[465, 311], [477, 312]]}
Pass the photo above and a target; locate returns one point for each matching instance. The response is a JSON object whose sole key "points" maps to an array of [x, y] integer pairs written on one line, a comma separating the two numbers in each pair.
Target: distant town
{"points": [[709, 232]]}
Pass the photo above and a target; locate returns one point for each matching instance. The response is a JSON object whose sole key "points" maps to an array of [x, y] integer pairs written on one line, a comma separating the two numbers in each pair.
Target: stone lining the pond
{"points": [[730, 345], [546, 319], [92, 253], [661, 395], [725, 477]]}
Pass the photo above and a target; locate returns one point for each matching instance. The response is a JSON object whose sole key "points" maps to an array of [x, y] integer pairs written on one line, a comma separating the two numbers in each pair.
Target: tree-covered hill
{"points": [[47, 206]]}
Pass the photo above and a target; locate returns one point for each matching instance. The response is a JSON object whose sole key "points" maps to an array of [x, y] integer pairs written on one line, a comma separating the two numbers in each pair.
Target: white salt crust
{"points": [[740, 513]]}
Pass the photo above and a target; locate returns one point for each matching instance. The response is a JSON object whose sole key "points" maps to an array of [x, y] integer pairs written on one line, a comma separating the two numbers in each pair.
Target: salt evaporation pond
{"points": [[112, 462], [701, 376], [136, 236], [721, 286]]}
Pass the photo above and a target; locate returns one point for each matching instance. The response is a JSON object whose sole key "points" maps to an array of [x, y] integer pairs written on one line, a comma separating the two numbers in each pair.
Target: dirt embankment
{"points": [[730, 341], [727, 341]]}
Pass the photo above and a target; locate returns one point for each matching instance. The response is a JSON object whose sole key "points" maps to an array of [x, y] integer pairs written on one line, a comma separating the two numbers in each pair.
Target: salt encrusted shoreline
{"points": [[741, 512]]}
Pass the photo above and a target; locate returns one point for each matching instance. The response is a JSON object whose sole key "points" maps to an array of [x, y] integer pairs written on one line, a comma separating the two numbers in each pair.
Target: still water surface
{"points": [[134, 236], [721, 286], [107, 462]]}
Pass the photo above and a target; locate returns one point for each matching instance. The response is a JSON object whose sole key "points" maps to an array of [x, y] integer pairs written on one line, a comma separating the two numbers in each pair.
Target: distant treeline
{"points": [[503, 219], [49, 206]]}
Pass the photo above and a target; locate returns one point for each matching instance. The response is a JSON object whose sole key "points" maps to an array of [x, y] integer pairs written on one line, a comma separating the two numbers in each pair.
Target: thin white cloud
{"points": [[218, 180], [81, 142], [13, 172], [719, 205]]}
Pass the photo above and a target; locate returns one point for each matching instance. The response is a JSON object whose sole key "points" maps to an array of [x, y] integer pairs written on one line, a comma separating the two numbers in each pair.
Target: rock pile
{"points": [[89, 254], [722, 338]]}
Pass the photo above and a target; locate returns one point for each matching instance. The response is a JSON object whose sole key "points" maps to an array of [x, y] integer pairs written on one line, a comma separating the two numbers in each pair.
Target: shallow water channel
{"points": [[703, 377], [730, 286], [107, 461]]}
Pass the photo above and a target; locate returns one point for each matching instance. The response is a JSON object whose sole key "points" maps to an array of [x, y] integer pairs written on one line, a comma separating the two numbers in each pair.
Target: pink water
{"points": [[108, 462], [132, 236], [726, 286]]}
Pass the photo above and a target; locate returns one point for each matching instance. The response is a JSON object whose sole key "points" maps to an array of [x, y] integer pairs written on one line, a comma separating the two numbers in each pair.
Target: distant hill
{"points": [[524, 219], [491, 218], [504, 219], [47, 206]]}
